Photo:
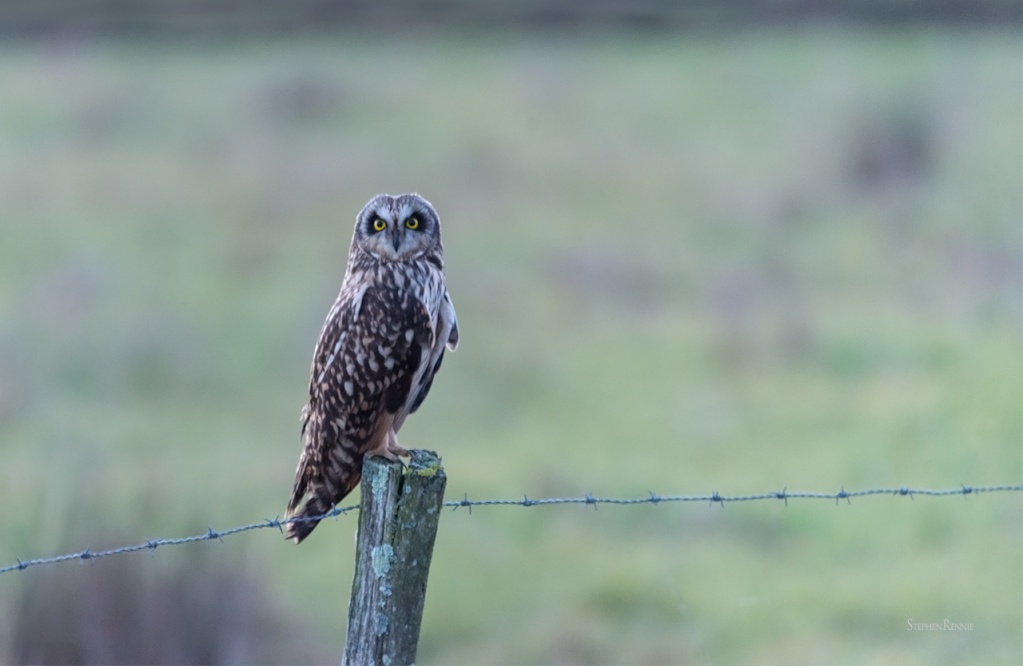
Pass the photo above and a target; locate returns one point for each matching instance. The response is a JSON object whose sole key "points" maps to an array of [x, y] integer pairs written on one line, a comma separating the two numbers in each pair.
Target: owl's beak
{"points": [[395, 232]]}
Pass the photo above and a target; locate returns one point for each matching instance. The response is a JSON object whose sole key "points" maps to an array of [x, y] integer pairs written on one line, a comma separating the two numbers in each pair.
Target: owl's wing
{"points": [[364, 369], [316, 420], [370, 370], [447, 313], [445, 335]]}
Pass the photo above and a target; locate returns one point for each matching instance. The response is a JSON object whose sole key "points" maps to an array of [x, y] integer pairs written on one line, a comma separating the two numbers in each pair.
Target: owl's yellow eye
{"points": [[412, 223], [379, 224]]}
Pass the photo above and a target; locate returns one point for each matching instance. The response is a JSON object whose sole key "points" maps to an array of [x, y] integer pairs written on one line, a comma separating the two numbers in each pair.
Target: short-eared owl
{"points": [[379, 349]]}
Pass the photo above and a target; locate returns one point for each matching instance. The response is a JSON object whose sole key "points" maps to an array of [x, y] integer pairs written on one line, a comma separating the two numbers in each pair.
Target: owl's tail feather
{"points": [[317, 505], [319, 498]]}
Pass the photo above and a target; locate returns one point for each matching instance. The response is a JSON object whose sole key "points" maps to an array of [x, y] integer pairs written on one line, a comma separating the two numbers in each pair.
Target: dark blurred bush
{"points": [[133, 610], [219, 17]]}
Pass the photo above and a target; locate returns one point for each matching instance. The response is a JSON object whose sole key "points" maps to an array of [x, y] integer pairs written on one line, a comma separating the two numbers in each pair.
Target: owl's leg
{"points": [[394, 447], [389, 447]]}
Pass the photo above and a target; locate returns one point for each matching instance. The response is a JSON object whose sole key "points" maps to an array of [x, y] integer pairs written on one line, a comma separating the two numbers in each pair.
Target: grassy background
{"points": [[680, 264]]}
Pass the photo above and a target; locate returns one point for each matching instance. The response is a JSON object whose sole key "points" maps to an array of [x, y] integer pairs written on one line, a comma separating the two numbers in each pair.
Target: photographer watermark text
{"points": [[945, 625]]}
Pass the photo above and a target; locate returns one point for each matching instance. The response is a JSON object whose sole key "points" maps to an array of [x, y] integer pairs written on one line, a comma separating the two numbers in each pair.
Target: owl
{"points": [[381, 345]]}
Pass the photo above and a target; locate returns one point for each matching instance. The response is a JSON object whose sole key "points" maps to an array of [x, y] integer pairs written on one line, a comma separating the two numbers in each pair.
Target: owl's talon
{"points": [[391, 450]]}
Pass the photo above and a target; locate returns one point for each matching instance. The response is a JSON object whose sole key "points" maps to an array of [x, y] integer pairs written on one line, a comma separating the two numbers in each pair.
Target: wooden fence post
{"points": [[397, 528]]}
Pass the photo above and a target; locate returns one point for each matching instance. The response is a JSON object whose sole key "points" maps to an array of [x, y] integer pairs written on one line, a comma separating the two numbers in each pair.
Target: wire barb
{"points": [[465, 502], [589, 500], [275, 522]]}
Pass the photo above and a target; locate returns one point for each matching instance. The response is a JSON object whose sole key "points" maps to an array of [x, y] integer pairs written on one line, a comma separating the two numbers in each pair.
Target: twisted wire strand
{"points": [[783, 495]]}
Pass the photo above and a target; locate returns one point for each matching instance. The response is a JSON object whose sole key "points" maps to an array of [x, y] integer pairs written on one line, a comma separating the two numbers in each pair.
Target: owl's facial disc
{"points": [[390, 236], [398, 228]]}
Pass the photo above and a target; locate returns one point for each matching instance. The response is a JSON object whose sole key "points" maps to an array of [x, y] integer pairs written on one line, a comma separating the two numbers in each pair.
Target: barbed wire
{"points": [[783, 495]]}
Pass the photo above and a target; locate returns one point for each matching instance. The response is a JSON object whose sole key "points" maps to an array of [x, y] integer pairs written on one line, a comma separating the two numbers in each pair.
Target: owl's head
{"points": [[400, 228]]}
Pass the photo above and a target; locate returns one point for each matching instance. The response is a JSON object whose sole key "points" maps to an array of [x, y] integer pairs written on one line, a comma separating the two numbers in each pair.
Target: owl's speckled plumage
{"points": [[379, 349]]}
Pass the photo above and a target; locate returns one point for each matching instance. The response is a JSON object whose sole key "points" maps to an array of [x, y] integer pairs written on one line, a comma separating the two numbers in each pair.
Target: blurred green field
{"points": [[681, 264]]}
